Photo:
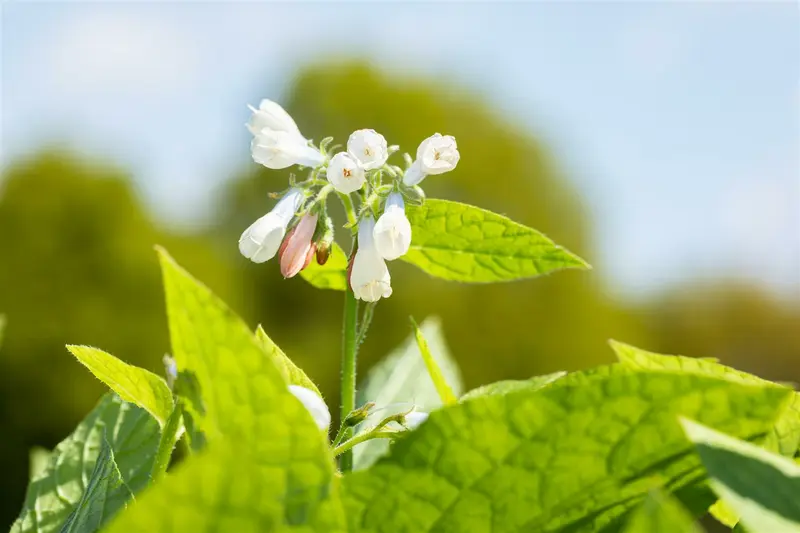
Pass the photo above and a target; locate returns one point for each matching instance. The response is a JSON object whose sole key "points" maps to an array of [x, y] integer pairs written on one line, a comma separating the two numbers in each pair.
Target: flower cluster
{"points": [[298, 228]]}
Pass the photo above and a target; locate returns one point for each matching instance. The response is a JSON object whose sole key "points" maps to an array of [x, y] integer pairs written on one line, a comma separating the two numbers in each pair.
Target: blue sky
{"points": [[679, 122]]}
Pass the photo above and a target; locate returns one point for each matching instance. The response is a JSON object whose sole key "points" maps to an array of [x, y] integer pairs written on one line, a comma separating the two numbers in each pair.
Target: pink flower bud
{"points": [[297, 249]]}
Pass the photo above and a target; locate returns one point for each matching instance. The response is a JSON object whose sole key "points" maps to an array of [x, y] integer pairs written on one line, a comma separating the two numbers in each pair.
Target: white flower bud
{"points": [[314, 404], [369, 277], [392, 233], [414, 174], [261, 241], [438, 154], [368, 147], [272, 116], [414, 419], [280, 149], [345, 174]]}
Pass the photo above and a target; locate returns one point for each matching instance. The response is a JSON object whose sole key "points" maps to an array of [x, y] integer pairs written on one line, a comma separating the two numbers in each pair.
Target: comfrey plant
{"points": [[647, 444]]}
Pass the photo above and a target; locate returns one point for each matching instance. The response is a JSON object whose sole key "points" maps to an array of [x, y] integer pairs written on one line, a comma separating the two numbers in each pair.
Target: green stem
{"points": [[344, 449], [349, 349], [366, 320], [169, 434], [347, 202]]}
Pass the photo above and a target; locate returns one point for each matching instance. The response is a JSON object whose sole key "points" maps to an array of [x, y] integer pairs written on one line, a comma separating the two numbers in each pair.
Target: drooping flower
{"points": [[297, 249], [272, 116], [281, 149], [261, 241], [277, 141], [369, 276], [414, 419], [345, 174], [392, 233], [368, 147], [314, 404], [436, 155]]}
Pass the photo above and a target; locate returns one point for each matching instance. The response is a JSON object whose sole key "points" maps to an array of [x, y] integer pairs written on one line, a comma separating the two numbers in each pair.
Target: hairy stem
{"points": [[349, 350], [345, 448], [169, 435]]}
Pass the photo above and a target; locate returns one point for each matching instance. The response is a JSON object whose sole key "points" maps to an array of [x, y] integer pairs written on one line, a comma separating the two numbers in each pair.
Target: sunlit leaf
{"points": [[133, 384], [105, 493], [460, 242], [290, 371], [401, 381], [660, 513], [508, 386], [439, 381], [572, 458], [762, 487], [133, 436]]}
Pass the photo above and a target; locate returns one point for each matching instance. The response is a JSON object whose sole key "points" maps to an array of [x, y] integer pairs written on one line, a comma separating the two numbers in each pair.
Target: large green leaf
{"points": [[660, 513], [559, 458], [133, 384], [105, 493], [133, 436], [763, 487], [290, 371], [459, 242], [512, 385], [784, 437], [332, 275], [266, 466], [400, 381]]}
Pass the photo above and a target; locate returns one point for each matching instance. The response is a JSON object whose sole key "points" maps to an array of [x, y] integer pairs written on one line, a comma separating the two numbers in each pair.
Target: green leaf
{"points": [[225, 489], [459, 242], [560, 458], [660, 513], [266, 465], [292, 374], [401, 381], [133, 384], [763, 487], [442, 388], [38, 458], [105, 493], [511, 385], [332, 275], [133, 436], [784, 437]]}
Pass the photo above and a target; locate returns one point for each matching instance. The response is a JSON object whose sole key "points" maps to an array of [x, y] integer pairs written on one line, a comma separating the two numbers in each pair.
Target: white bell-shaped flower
{"points": [[345, 174], [413, 174], [281, 149], [438, 154], [369, 277], [272, 116], [314, 404], [414, 419], [392, 233], [261, 241], [368, 147]]}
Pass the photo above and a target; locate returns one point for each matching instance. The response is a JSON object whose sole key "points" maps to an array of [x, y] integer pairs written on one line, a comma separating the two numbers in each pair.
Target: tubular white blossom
{"points": [[438, 154], [272, 116], [261, 241], [415, 418], [368, 147], [369, 277], [414, 174], [281, 149], [345, 174], [392, 233], [314, 404]]}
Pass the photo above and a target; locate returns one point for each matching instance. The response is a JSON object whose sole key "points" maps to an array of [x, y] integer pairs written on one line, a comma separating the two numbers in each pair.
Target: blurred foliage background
{"points": [[77, 266]]}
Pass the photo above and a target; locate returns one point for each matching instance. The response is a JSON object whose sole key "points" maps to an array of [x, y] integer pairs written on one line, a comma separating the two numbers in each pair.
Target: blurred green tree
{"points": [[76, 266]]}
